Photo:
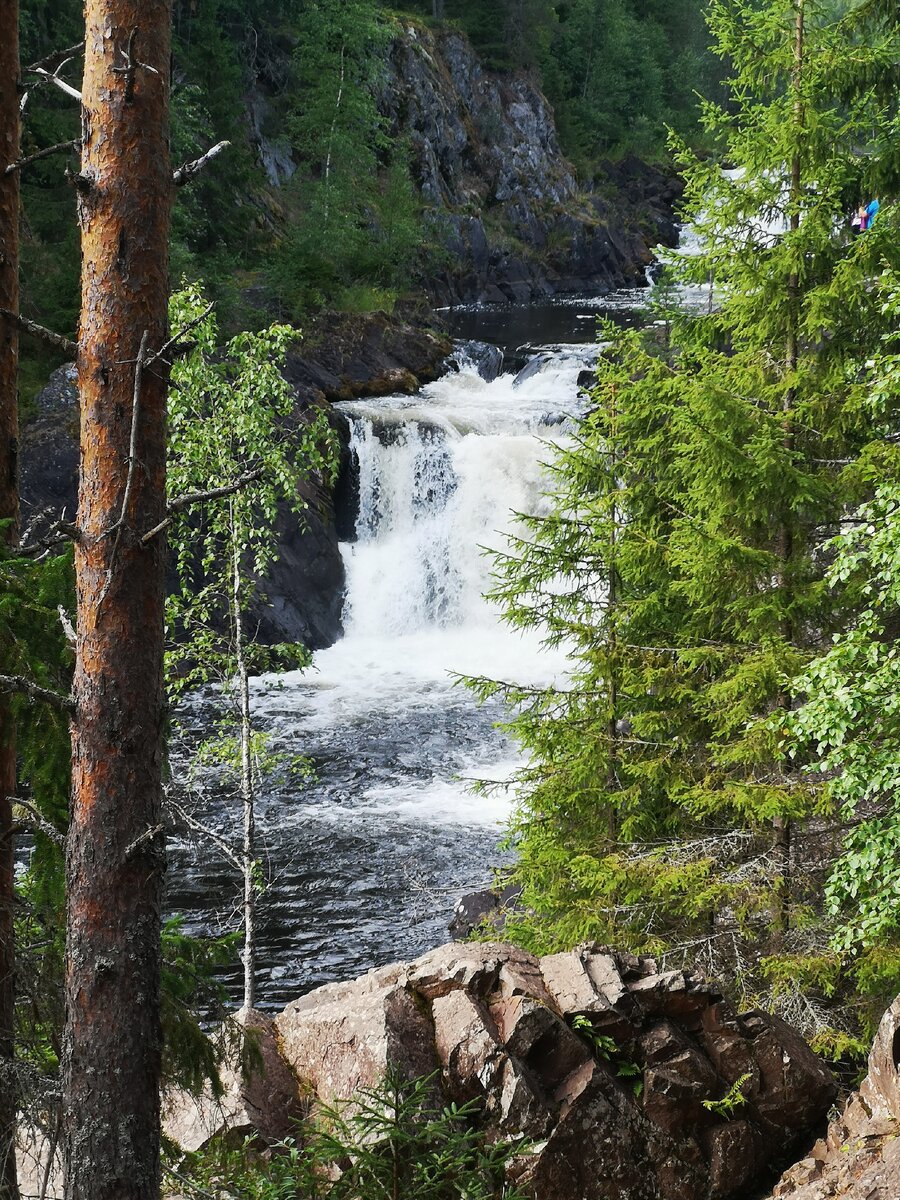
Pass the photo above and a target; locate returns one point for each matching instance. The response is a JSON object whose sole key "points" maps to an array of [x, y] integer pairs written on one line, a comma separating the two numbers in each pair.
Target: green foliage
{"points": [[33, 644], [233, 430], [680, 557], [190, 1058], [398, 1141], [231, 415], [847, 732], [357, 228], [733, 1099], [618, 73]]}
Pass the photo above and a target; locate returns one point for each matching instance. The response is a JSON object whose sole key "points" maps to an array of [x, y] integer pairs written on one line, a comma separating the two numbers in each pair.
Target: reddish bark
{"points": [[9, 510], [114, 869]]}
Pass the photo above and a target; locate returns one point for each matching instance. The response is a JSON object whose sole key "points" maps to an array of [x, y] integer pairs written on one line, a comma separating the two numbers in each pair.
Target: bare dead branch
{"points": [[147, 836], [190, 498], [52, 62], [46, 335], [55, 535], [40, 822], [186, 172], [73, 144], [135, 417], [116, 528], [42, 514], [18, 684], [173, 345], [198, 827], [53, 77], [131, 67], [68, 627]]}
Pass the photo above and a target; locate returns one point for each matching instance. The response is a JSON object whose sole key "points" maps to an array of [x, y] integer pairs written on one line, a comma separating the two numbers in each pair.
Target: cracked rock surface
{"points": [[859, 1158], [602, 1061]]}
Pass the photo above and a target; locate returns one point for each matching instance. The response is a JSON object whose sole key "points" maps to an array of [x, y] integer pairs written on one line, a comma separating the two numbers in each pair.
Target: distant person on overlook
{"points": [[871, 213]]}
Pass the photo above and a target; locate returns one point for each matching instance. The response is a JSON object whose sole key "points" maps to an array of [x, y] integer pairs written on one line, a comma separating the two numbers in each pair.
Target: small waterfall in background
{"points": [[367, 857]]}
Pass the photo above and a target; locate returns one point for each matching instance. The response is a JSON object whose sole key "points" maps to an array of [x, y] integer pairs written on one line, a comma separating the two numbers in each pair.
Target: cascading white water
{"points": [[439, 478], [369, 854]]}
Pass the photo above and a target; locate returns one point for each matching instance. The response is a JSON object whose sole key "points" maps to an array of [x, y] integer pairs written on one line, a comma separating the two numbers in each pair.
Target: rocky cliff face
{"points": [[503, 198]]}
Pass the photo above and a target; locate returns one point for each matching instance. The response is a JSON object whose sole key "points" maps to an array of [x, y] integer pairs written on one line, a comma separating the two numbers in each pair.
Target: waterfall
{"points": [[440, 477], [368, 855]]}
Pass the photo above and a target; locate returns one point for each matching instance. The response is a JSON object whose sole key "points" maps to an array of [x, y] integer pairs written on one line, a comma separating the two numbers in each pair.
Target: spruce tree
{"points": [[689, 519]]}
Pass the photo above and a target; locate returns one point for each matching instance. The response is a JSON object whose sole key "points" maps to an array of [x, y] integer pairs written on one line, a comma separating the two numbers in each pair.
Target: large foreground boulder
{"points": [[609, 1067], [859, 1158]]}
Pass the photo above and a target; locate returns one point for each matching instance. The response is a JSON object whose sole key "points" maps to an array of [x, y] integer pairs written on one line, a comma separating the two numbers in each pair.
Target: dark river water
{"points": [[364, 861]]}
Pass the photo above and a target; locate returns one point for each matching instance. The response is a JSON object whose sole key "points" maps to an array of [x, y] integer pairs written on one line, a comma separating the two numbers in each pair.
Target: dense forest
{"points": [[320, 68], [714, 779]]}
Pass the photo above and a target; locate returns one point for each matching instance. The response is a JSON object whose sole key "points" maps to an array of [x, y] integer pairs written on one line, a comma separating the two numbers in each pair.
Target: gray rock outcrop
{"points": [[259, 1094], [609, 1067], [517, 223]]}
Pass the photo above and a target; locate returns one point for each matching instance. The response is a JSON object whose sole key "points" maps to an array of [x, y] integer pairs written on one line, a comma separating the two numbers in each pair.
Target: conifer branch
{"points": [[19, 685], [39, 331], [72, 144]]}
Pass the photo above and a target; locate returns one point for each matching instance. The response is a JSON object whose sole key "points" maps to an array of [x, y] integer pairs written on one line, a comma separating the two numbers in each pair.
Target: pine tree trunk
{"points": [[9, 510], [437, 9], [115, 858], [247, 797]]}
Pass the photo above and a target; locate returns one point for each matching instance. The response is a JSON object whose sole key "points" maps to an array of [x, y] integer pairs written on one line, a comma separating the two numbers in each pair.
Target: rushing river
{"points": [[366, 859]]}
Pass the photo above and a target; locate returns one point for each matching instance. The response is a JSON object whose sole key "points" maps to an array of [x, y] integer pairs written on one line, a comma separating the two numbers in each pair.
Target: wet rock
{"points": [[340, 356], [485, 358], [486, 905], [532, 368]]}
